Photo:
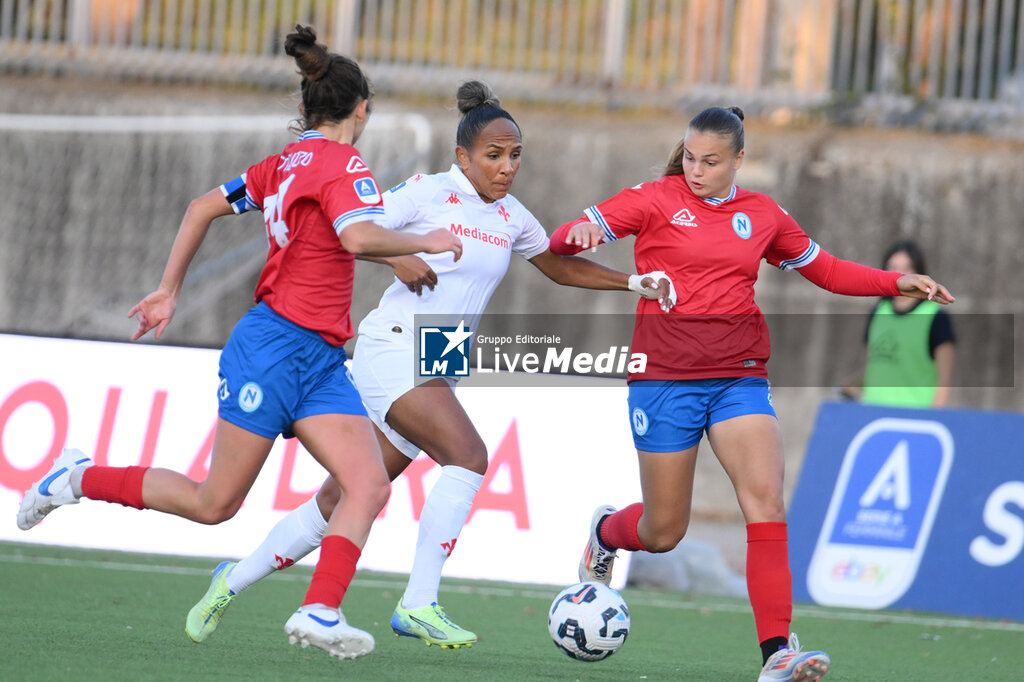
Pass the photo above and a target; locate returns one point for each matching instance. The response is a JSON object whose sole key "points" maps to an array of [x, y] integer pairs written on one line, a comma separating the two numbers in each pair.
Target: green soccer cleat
{"points": [[205, 616], [432, 625]]}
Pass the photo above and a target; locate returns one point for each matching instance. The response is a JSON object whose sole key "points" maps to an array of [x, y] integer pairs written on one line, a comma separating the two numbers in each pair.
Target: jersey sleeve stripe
{"points": [[594, 215], [806, 257], [237, 195], [358, 216]]}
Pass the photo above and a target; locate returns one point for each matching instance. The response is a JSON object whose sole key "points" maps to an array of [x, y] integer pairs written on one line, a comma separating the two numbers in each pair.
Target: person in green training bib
{"points": [[910, 344]]}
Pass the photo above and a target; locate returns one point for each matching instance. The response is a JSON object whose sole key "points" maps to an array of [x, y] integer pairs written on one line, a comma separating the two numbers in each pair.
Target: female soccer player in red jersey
{"points": [[706, 362], [283, 369], [409, 418]]}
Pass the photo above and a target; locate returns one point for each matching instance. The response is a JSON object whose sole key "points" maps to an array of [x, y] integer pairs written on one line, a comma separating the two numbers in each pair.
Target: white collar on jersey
{"points": [[312, 135], [464, 185], [714, 201]]}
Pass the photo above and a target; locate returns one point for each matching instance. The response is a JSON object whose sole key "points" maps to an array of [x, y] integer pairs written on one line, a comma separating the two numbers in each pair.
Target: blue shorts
{"points": [[274, 372], [668, 416]]}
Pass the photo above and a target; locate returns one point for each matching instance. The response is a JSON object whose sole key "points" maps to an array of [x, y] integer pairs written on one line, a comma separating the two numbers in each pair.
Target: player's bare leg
{"points": [[347, 447]]}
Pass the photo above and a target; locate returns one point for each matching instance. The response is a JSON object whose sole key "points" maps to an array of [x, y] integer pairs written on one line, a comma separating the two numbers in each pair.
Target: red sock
{"points": [[333, 572], [769, 581], [122, 485], [618, 531]]}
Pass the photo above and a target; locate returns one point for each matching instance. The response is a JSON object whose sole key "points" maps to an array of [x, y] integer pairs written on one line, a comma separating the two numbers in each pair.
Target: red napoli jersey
{"points": [[309, 193], [712, 250]]}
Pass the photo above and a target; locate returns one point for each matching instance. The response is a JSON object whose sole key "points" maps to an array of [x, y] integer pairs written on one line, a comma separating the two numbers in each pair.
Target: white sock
{"points": [[292, 538], [444, 515], [75, 480]]}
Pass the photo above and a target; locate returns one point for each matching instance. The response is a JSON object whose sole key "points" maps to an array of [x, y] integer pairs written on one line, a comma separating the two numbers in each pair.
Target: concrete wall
{"points": [[89, 220]]}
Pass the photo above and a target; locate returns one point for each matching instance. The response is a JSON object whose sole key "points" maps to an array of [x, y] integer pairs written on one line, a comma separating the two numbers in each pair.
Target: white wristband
{"points": [[653, 292]]}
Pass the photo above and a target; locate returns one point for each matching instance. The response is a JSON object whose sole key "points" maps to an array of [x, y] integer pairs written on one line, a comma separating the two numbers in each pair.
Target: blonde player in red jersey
{"points": [[706, 362], [283, 369]]}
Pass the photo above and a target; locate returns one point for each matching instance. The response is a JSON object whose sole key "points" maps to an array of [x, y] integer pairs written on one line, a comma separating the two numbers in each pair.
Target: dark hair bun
{"points": [[312, 58], [737, 111], [473, 94]]}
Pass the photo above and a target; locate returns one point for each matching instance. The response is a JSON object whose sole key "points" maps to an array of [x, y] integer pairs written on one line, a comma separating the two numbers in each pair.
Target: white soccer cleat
{"points": [[325, 628], [53, 490], [792, 665], [597, 560]]}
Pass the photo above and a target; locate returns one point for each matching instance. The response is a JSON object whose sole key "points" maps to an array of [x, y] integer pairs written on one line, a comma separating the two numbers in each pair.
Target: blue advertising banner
{"points": [[921, 509]]}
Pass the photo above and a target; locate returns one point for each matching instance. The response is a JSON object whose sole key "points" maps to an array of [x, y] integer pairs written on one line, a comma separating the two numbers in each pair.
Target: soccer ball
{"points": [[588, 621]]}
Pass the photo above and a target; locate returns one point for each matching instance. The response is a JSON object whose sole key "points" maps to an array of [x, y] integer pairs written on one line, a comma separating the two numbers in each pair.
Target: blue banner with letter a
{"points": [[920, 509]]}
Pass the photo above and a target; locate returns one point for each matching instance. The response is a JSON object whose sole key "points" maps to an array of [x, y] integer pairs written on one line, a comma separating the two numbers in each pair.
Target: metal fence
{"points": [[898, 58], [915, 60]]}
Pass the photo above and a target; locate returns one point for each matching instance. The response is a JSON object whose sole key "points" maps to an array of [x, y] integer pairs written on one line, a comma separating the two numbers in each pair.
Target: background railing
{"points": [[914, 60], [944, 62]]}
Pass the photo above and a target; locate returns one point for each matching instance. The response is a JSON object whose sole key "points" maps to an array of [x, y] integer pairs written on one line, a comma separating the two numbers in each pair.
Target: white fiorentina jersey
{"points": [[490, 233]]}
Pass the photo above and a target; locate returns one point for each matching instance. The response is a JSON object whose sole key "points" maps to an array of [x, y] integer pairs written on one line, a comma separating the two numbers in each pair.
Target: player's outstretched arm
{"points": [[853, 279], [157, 309], [580, 272], [370, 239]]}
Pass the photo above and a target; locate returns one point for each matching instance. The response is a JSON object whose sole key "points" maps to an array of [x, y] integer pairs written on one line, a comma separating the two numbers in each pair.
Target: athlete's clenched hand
{"points": [[413, 272]]}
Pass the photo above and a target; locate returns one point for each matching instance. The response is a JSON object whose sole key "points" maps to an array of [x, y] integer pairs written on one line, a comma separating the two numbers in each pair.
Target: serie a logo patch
{"points": [[367, 190]]}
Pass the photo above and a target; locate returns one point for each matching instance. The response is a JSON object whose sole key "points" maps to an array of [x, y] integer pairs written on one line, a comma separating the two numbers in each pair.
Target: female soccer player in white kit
{"points": [[472, 199]]}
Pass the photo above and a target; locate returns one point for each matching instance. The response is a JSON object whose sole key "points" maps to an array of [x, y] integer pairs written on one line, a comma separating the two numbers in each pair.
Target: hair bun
{"points": [[473, 94], [311, 57], [737, 111]]}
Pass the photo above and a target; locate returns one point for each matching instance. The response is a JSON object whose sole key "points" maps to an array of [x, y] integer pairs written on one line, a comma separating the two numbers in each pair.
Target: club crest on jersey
{"points": [[503, 213], [741, 225], [250, 397], [684, 218], [640, 421], [356, 165], [367, 190]]}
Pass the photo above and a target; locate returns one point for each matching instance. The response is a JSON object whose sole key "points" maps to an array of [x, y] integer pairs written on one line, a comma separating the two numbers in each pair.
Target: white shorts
{"points": [[382, 371]]}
